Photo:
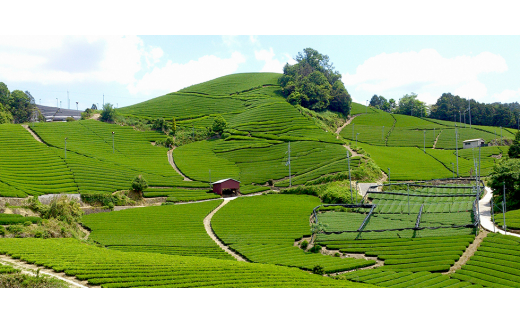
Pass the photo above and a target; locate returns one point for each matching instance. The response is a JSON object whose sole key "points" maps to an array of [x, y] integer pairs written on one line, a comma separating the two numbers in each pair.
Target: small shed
{"points": [[230, 185], [473, 143]]}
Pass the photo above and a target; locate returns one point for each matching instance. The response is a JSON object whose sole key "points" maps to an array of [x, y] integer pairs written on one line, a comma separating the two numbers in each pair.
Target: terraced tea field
{"points": [[264, 228], [116, 269], [170, 229]]}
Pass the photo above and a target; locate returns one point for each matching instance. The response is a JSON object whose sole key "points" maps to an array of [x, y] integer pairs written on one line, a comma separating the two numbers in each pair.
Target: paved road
{"points": [[485, 214]]}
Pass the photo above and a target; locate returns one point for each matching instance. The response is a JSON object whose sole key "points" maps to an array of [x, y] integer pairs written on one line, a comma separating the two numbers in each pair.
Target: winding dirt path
{"points": [[32, 133], [470, 251], [211, 233], [349, 120], [437, 138], [352, 152], [170, 159], [31, 269]]}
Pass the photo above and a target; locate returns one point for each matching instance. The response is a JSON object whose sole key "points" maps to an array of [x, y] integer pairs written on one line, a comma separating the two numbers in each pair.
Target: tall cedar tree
{"points": [[314, 84]]}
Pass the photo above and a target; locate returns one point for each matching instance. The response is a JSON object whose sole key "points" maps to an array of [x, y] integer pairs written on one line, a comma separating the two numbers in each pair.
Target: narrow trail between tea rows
{"points": [[30, 269], [211, 233], [172, 162]]}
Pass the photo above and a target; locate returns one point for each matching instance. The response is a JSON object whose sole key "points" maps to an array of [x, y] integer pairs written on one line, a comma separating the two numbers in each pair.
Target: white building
{"points": [[473, 143]]}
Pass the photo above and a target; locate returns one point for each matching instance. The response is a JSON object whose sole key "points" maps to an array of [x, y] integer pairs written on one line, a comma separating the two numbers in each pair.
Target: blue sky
{"points": [[131, 69]]}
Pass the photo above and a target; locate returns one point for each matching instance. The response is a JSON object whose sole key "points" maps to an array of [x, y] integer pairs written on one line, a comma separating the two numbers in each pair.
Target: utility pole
{"points": [[349, 178], [424, 143], [77, 106], [353, 131], [57, 103], [68, 100], [289, 163], [469, 108], [389, 182], [457, 148], [504, 208], [357, 134]]}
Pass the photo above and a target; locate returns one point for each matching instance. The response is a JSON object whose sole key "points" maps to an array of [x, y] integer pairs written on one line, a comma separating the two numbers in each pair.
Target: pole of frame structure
{"points": [[493, 214], [457, 148], [290, 181], [349, 178], [424, 141], [408, 198], [479, 163], [504, 208], [389, 182]]}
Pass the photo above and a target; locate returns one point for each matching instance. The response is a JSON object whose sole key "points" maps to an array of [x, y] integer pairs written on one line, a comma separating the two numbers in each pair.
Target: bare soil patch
{"points": [[172, 163]]}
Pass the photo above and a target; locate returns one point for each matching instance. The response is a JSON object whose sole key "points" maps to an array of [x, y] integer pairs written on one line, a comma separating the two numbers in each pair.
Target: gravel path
{"points": [[31, 269], [211, 233], [32, 133], [170, 159]]}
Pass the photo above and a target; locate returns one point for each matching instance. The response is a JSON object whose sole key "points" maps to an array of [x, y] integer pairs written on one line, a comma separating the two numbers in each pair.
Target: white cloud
{"points": [[272, 64], [507, 96], [230, 40], [426, 73], [62, 59], [173, 77]]}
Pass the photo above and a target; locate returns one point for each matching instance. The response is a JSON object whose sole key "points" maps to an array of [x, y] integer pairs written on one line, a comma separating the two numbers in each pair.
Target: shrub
{"points": [[318, 270], [27, 223], [139, 184], [108, 114], [315, 249], [70, 119], [2, 231], [304, 244], [219, 124], [38, 234]]}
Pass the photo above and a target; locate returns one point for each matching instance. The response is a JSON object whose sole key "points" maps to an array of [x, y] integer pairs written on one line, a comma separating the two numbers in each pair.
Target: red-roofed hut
{"points": [[230, 185]]}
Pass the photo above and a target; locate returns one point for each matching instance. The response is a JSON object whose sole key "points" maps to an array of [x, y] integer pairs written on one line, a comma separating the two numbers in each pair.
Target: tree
{"points": [[139, 184], [314, 84], [392, 104], [409, 105], [108, 114], [506, 171], [514, 149], [5, 115], [219, 124], [4, 94], [20, 106], [174, 126], [374, 101]]}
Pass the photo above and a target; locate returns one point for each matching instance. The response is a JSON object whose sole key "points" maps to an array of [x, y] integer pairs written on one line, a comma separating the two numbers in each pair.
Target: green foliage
{"points": [[506, 171], [409, 105], [318, 270], [5, 115], [108, 114], [139, 184], [304, 244], [174, 126], [2, 231], [14, 279], [449, 106], [219, 124], [86, 114], [61, 208], [514, 149], [104, 199], [20, 106], [314, 84]]}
